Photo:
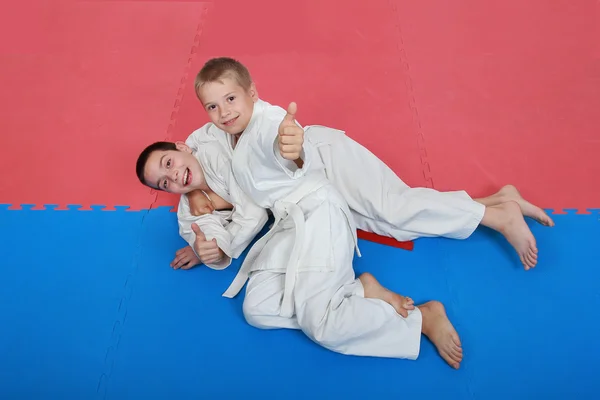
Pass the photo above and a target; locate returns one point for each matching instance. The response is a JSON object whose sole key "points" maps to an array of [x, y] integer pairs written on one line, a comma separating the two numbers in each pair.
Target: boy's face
{"points": [[174, 171], [229, 106]]}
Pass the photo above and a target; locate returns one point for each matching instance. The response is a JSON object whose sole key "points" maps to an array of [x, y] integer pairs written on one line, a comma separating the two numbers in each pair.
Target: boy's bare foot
{"points": [[510, 193], [507, 219], [437, 327], [374, 290]]}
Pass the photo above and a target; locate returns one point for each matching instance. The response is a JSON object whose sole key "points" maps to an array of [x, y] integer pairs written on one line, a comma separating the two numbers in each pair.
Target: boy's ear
{"points": [[181, 146], [253, 92]]}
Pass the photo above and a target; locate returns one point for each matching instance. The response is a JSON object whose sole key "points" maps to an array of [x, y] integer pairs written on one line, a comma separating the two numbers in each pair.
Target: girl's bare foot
{"points": [[437, 327], [507, 219], [374, 290], [510, 193]]}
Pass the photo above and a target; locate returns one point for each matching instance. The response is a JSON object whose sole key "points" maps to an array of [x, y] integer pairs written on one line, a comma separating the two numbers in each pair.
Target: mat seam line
{"points": [[416, 120], [426, 167], [184, 79], [113, 346]]}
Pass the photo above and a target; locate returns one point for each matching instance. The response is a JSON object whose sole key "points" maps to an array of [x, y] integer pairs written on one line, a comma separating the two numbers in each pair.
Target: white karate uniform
{"points": [[300, 273], [378, 199], [233, 229]]}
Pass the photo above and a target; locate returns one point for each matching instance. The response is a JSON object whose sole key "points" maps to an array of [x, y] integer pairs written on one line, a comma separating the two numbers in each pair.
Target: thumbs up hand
{"points": [[291, 136], [208, 251]]}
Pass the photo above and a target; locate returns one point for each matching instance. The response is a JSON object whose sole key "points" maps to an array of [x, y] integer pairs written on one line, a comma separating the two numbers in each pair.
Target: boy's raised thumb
{"points": [[198, 232], [291, 112]]}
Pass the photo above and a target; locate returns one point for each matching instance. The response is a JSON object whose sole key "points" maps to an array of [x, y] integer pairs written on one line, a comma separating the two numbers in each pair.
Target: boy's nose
{"points": [[174, 175]]}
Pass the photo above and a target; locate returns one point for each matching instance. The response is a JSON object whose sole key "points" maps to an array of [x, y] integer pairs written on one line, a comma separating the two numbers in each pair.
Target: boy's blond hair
{"points": [[215, 69]]}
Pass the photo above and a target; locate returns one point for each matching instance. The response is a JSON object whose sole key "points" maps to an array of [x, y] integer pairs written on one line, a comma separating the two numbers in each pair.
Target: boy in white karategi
{"points": [[378, 199], [300, 274]]}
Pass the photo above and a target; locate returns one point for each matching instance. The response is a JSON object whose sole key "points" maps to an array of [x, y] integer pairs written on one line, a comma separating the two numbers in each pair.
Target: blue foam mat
{"points": [[89, 308]]}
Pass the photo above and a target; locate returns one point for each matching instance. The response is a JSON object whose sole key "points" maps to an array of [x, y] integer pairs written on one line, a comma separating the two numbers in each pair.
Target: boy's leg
{"points": [[354, 316], [264, 294], [436, 325], [382, 203], [262, 304], [361, 317]]}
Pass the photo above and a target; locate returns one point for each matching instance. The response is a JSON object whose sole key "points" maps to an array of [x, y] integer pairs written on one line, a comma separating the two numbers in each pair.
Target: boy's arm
{"points": [[213, 241], [199, 203], [246, 221], [247, 218], [199, 137]]}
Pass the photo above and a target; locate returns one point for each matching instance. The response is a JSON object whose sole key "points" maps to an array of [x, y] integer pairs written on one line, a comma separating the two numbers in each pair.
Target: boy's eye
{"points": [[231, 98], [165, 184], [211, 107], [168, 163]]}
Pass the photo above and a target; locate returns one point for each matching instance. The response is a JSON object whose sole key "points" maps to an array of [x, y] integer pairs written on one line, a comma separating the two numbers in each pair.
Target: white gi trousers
{"points": [[381, 202], [326, 300]]}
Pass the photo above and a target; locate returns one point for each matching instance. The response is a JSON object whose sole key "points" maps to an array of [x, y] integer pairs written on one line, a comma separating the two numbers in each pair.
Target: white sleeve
{"points": [[246, 221], [199, 136], [211, 225]]}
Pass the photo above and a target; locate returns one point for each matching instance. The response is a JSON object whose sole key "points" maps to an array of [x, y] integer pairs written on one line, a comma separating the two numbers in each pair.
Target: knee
{"points": [[251, 311], [260, 310], [317, 327]]}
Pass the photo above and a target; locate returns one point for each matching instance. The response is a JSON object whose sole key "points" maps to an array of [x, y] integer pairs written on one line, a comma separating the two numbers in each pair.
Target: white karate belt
{"points": [[282, 209]]}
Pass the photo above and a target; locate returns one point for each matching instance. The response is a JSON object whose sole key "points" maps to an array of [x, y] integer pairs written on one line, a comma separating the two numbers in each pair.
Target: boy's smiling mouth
{"points": [[187, 177], [230, 122]]}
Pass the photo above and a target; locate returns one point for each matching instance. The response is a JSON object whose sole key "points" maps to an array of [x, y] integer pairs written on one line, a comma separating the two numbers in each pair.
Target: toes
{"points": [[456, 342], [450, 359], [456, 357], [533, 255], [532, 258]]}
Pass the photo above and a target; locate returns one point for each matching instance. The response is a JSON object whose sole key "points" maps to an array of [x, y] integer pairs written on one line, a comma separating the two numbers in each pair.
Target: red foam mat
{"points": [[508, 92], [85, 85]]}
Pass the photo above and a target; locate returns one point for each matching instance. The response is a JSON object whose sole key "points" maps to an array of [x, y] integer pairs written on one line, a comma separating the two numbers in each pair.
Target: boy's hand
{"points": [[291, 136], [185, 259], [208, 251], [199, 203]]}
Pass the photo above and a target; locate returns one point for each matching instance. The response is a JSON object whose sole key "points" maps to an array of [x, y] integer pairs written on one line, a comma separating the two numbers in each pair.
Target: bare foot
{"points": [[510, 193], [437, 327], [507, 219], [374, 290]]}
